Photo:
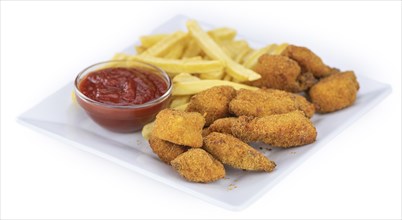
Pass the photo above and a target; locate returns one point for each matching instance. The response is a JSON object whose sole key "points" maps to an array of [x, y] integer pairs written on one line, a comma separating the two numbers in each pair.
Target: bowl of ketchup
{"points": [[123, 96]]}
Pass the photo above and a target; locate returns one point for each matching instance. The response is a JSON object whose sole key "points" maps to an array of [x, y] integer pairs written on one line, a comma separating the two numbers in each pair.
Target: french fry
{"points": [[120, 56], [116, 57], [246, 57], [209, 46], [179, 100], [240, 73], [184, 77], [278, 50], [192, 58], [176, 51], [163, 46], [140, 49], [192, 49], [194, 87], [181, 107], [212, 75], [234, 47], [223, 34], [227, 77], [253, 58], [174, 66], [73, 98], [147, 130], [241, 55], [149, 40], [226, 51]]}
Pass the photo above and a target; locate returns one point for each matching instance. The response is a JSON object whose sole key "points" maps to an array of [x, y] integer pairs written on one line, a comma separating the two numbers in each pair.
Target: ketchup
{"points": [[122, 86]]}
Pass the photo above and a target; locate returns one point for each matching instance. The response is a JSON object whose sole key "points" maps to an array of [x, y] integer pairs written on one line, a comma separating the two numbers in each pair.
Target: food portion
{"points": [[166, 150], [264, 102], [122, 86], [234, 152], [212, 103], [225, 95], [281, 72], [214, 51], [223, 125], [281, 130], [196, 165], [122, 96], [335, 92], [308, 61], [162, 47], [179, 127], [196, 86]]}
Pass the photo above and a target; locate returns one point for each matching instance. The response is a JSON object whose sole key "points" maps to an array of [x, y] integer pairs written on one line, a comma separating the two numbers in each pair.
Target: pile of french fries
{"points": [[198, 60]]}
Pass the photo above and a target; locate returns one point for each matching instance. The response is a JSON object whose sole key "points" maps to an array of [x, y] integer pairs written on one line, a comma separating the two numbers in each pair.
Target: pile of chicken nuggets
{"points": [[218, 124]]}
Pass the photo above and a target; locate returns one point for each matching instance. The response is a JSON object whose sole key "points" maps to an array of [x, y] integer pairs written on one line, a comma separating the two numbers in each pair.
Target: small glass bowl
{"points": [[127, 118]]}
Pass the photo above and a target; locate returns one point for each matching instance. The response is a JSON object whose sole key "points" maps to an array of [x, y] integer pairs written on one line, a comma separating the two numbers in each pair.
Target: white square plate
{"points": [[59, 117]]}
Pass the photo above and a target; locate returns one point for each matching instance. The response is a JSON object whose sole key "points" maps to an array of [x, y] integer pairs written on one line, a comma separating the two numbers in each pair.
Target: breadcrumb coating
{"points": [[197, 165], [222, 125], [234, 152], [212, 103], [165, 150], [308, 61], [179, 127], [281, 72], [282, 130], [264, 102], [335, 92]]}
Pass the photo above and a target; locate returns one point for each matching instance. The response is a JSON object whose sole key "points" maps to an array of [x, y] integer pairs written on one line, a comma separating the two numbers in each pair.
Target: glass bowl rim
{"points": [[134, 106]]}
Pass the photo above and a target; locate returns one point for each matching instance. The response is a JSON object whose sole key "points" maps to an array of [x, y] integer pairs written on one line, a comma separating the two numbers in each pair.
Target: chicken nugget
{"points": [[282, 130], [335, 92], [212, 103], [281, 72], [222, 125], [197, 165], [234, 152], [179, 127], [264, 102], [165, 150], [308, 61]]}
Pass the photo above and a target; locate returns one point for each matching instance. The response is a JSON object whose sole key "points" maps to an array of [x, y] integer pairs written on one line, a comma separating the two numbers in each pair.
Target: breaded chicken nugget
{"points": [[212, 103], [196, 165], [308, 61], [234, 152], [281, 72], [165, 150], [222, 125], [282, 130], [264, 102], [179, 127], [337, 91]]}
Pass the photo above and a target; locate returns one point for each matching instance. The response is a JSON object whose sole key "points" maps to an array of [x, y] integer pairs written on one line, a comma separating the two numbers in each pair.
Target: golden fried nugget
{"points": [[222, 125], [337, 91], [281, 72], [205, 132], [282, 130], [212, 103], [197, 165], [165, 150], [234, 152], [179, 127], [264, 102], [308, 61]]}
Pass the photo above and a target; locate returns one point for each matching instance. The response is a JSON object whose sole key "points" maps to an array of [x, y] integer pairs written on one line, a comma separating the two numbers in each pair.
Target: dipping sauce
{"points": [[125, 97], [122, 86]]}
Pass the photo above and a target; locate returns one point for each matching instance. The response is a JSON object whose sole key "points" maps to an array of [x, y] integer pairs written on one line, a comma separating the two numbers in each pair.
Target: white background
{"points": [[45, 44]]}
